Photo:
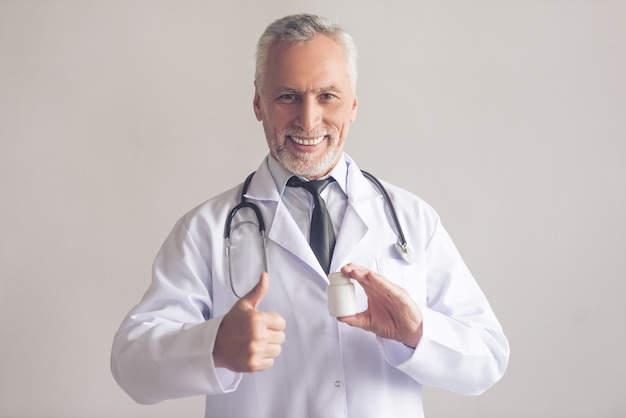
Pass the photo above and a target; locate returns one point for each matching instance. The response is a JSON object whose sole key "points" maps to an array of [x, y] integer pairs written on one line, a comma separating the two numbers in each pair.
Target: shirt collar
{"points": [[281, 175]]}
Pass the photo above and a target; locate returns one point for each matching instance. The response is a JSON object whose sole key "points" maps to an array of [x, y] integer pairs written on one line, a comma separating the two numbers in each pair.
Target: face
{"points": [[306, 104]]}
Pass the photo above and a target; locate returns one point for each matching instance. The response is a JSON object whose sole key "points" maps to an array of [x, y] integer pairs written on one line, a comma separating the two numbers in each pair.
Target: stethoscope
{"points": [[402, 247]]}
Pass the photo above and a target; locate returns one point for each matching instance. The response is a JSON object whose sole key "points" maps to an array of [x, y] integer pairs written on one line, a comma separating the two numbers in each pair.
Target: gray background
{"points": [[116, 117]]}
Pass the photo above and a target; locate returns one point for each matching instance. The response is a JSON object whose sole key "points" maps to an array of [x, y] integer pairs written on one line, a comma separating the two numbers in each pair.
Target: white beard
{"points": [[305, 164]]}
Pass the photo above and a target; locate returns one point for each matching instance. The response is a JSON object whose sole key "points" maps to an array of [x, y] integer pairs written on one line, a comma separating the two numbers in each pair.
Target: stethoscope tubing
{"points": [[401, 245]]}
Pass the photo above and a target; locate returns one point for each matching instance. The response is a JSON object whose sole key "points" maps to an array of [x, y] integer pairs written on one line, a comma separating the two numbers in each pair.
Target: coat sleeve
{"points": [[163, 349], [463, 348]]}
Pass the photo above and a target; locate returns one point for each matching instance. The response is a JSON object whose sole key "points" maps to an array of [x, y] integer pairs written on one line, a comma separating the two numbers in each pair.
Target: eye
{"points": [[327, 96], [288, 98]]}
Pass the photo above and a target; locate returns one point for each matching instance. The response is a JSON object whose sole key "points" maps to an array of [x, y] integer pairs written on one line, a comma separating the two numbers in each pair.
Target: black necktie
{"points": [[322, 238]]}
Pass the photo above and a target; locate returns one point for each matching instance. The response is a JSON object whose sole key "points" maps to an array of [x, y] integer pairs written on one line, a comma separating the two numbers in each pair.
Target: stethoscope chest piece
{"points": [[405, 252]]}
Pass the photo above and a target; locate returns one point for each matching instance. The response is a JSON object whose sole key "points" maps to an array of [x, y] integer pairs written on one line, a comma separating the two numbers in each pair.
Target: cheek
{"points": [[343, 115], [281, 119], [340, 122]]}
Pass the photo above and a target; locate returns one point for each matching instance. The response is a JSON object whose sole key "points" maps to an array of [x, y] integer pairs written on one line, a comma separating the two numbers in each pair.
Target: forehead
{"points": [[320, 61]]}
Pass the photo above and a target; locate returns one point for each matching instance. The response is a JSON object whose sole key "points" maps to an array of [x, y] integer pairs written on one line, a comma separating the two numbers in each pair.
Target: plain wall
{"points": [[116, 117]]}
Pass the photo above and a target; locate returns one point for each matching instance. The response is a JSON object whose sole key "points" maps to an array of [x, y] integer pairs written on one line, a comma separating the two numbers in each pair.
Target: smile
{"points": [[307, 141]]}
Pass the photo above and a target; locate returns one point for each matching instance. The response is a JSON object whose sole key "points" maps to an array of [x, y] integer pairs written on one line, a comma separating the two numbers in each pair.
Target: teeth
{"points": [[302, 141]]}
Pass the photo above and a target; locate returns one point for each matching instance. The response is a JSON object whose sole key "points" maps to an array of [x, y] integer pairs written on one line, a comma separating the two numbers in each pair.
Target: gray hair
{"points": [[302, 28]]}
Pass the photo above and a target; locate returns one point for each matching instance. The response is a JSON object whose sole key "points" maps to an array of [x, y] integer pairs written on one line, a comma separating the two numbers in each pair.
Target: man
{"points": [[276, 351]]}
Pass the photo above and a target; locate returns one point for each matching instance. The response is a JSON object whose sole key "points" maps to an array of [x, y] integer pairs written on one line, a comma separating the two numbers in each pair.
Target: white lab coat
{"points": [[326, 369]]}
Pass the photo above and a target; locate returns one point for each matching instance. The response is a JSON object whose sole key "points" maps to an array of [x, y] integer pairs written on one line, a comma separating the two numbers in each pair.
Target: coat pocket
{"points": [[411, 277]]}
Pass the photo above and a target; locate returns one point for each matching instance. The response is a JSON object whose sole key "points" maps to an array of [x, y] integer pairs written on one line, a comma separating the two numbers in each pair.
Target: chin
{"points": [[307, 167]]}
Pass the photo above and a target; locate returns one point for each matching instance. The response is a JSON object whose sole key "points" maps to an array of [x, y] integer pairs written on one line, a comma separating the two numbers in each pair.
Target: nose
{"points": [[309, 114]]}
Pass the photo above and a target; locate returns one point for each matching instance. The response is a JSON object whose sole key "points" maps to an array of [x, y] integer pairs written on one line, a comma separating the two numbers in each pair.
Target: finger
{"points": [[381, 285], [359, 320], [375, 285], [365, 277], [276, 338], [274, 321], [348, 269], [256, 294], [356, 272]]}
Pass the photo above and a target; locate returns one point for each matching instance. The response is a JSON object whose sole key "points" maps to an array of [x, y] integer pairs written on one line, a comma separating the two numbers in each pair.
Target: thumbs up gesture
{"points": [[248, 340]]}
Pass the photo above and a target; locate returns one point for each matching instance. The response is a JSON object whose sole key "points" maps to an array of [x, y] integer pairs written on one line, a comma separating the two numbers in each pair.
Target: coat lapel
{"points": [[280, 226], [360, 215], [286, 233]]}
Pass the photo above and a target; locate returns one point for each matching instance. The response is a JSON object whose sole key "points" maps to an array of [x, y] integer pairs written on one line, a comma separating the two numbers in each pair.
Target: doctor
{"points": [[276, 351]]}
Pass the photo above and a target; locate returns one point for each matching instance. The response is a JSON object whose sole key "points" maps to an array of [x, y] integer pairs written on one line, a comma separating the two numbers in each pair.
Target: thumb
{"points": [[256, 294]]}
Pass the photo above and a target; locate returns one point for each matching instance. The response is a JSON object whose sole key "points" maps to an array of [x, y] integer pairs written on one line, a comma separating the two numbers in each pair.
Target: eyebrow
{"points": [[324, 89]]}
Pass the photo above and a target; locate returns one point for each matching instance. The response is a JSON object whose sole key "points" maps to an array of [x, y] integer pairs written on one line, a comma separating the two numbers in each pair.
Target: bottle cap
{"points": [[338, 278]]}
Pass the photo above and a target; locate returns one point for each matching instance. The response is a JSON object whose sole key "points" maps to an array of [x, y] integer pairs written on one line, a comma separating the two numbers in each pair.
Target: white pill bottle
{"points": [[341, 295]]}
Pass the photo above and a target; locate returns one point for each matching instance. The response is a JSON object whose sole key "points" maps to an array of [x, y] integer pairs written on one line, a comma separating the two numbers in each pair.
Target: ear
{"points": [[353, 111], [256, 103]]}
